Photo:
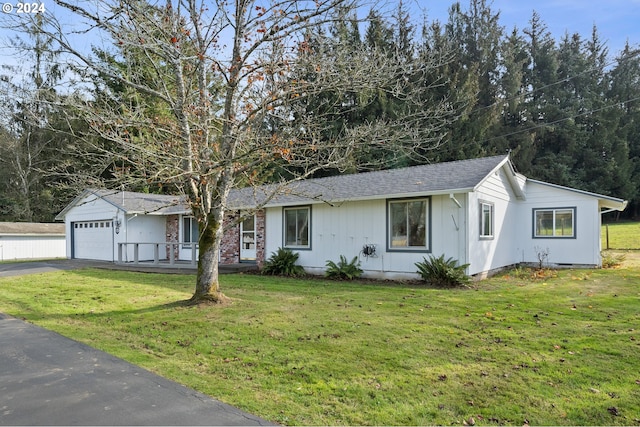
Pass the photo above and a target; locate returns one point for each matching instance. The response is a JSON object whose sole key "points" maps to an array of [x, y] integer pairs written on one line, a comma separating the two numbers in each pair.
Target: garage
{"points": [[92, 240]]}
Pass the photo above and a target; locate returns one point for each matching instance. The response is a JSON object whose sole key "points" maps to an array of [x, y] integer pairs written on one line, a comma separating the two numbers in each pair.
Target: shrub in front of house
{"points": [[443, 273], [611, 260], [343, 270], [283, 263]]}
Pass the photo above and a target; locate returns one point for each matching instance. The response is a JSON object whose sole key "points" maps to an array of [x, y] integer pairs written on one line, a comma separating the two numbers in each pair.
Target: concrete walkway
{"points": [[47, 379]]}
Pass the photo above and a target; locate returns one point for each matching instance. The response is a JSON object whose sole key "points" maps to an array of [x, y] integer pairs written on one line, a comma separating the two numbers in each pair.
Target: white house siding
{"points": [[145, 230], [14, 247], [102, 244], [583, 250], [449, 227], [489, 254], [91, 209], [343, 229]]}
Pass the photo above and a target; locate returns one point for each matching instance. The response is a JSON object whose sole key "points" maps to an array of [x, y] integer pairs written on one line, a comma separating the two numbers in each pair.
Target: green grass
{"points": [[622, 235], [556, 351]]}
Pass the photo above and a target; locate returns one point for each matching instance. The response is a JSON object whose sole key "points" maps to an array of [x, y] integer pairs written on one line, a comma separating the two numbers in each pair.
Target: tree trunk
{"points": [[207, 285]]}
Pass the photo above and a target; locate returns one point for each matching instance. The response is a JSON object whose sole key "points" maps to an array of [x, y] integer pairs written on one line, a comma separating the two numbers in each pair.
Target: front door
{"points": [[189, 235], [248, 239]]}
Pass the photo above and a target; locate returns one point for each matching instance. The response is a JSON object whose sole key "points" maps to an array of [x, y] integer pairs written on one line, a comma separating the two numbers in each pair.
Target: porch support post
{"points": [[171, 254], [156, 253], [120, 252], [135, 252]]}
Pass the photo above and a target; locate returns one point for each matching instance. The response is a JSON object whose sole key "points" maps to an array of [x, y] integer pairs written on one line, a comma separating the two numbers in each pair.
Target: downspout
{"points": [[464, 231], [452, 197]]}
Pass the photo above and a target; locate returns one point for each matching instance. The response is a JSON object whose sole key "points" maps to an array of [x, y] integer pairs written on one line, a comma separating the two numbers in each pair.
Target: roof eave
{"points": [[32, 234], [85, 193], [607, 202], [407, 195], [511, 175]]}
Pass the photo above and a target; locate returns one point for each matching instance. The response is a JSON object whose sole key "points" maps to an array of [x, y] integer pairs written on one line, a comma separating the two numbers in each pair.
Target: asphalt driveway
{"points": [[47, 379], [33, 267]]}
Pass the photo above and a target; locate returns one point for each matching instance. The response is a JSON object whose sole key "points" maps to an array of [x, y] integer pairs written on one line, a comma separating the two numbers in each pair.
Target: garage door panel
{"points": [[93, 240]]}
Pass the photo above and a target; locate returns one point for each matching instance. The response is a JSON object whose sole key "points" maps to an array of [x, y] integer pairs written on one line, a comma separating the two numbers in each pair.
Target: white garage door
{"points": [[93, 240]]}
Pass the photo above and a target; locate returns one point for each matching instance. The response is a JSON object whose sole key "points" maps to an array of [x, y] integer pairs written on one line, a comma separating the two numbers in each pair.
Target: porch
{"points": [[157, 252], [151, 256]]}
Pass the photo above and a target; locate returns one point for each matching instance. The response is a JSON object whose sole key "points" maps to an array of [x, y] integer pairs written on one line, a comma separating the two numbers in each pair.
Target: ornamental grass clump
{"points": [[443, 273], [283, 263]]}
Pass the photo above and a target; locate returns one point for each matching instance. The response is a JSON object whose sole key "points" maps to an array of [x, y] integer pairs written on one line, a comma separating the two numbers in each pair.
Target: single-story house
{"points": [[28, 240], [480, 212]]}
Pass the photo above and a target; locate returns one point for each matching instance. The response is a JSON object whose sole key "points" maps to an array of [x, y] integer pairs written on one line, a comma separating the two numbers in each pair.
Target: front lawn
{"points": [[556, 351]]}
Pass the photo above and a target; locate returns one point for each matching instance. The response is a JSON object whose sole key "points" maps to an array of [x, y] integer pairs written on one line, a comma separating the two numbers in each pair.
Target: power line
{"points": [[585, 113], [564, 80]]}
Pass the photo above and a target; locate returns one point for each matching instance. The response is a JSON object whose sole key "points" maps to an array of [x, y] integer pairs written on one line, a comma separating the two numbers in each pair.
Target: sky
{"points": [[617, 20]]}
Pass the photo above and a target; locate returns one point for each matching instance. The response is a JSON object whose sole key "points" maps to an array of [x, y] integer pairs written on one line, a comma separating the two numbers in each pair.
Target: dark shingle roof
{"points": [[463, 175], [132, 203], [143, 203]]}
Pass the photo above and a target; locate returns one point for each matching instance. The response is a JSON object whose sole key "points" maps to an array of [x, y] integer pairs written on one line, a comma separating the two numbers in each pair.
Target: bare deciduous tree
{"points": [[214, 94]]}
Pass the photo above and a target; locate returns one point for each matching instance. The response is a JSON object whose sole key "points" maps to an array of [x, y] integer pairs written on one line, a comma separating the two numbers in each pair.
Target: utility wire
{"points": [[561, 120], [564, 80]]}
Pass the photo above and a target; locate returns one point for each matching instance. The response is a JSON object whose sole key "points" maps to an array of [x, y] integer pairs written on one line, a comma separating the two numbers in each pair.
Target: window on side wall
{"points": [[408, 225], [297, 227], [554, 223], [486, 220], [190, 232]]}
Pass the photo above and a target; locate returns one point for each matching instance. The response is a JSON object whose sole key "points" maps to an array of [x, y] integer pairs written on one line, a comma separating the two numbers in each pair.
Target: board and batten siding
{"points": [[584, 249], [88, 209], [487, 254], [21, 247], [146, 230], [133, 229], [344, 228]]}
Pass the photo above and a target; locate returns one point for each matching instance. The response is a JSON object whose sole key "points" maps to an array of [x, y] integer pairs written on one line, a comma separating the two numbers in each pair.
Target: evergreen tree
{"points": [[624, 92], [478, 35]]}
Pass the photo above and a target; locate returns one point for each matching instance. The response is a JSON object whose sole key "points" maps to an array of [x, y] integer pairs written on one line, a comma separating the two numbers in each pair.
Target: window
{"points": [[189, 231], [486, 220], [554, 223], [296, 227], [408, 221]]}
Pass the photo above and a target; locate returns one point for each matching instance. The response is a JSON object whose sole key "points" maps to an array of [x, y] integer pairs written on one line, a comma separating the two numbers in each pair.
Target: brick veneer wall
{"points": [[230, 245], [260, 236], [173, 234]]}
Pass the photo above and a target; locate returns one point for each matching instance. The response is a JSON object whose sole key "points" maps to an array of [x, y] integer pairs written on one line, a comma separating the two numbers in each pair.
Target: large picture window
{"points": [[296, 227], [486, 220], [550, 223], [408, 224]]}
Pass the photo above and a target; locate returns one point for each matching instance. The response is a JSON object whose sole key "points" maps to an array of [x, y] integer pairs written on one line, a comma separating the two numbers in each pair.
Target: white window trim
{"points": [[284, 227], [554, 211], [185, 244], [427, 225], [491, 206]]}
